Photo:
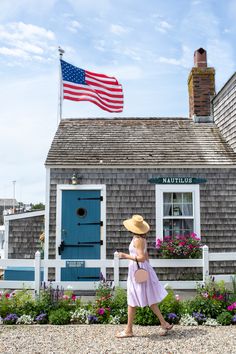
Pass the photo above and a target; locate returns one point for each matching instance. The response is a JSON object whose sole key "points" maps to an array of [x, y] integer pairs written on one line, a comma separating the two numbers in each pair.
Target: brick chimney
{"points": [[201, 88]]}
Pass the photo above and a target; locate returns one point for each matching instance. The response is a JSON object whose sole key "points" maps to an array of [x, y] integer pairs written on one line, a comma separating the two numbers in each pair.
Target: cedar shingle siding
{"points": [[129, 192], [224, 106], [24, 237]]}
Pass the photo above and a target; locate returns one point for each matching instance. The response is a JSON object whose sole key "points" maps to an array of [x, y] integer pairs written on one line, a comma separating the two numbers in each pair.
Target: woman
{"points": [[148, 293]]}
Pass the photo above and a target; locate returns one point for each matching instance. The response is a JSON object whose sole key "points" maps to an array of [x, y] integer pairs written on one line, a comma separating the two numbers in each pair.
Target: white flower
{"points": [[187, 320], [114, 320], [69, 287], [25, 319], [80, 316], [211, 322]]}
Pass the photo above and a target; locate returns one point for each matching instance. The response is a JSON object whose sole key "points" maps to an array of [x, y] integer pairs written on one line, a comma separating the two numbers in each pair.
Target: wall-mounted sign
{"points": [[75, 264], [177, 180]]}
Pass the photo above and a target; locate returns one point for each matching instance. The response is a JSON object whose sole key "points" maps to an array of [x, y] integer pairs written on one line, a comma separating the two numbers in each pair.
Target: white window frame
{"points": [[177, 188]]}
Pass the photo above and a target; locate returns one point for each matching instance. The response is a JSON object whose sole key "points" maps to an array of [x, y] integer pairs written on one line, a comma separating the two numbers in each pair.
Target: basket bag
{"points": [[140, 275]]}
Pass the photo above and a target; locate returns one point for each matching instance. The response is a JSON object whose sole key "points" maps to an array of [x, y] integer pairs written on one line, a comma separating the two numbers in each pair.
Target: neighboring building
{"points": [[2, 239], [179, 173], [6, 207]]}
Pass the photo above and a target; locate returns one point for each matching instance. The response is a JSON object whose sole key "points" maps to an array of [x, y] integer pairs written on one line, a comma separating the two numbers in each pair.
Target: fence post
{"points": [[116, 269], [37, 269], [205, 262]]}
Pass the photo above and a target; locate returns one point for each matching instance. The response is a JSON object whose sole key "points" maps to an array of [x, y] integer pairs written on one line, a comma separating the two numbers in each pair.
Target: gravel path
{"points": [[100, 339]]}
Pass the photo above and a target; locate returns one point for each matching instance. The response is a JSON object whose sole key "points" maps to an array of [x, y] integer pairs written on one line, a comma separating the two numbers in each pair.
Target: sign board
{"points": [[75, 264], [177, 180]]}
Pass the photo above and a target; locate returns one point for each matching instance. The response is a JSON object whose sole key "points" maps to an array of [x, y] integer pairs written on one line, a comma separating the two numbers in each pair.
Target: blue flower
{"points": [[172, 316]]}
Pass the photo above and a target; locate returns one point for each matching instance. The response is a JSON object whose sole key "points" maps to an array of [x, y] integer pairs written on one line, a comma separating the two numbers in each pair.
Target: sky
{"points": [[147, 45]]}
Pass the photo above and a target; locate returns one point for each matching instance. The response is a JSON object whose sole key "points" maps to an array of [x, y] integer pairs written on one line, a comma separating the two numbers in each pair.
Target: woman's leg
{"points": [[158, 313], [131, 314]]}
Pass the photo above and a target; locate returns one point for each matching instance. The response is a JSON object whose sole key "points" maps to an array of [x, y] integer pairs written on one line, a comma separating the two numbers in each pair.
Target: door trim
{"points": [[60, 189]]}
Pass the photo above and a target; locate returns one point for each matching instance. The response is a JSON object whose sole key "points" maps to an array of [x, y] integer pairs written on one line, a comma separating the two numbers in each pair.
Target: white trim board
{"points": [[29, 214], [60, 188]]}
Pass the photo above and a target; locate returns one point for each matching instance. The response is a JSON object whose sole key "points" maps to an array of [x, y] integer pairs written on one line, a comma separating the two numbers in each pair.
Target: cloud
{"points": [[74, 26], [184, 61], [26, 41], [15, 8], [118, 29], [163, 26]]}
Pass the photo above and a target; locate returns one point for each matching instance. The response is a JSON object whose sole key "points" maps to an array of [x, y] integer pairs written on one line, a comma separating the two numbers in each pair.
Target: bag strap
{"points": [[137, 262]]}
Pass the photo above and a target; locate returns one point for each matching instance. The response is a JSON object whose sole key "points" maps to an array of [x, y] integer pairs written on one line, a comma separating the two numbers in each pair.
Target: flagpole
{"points": [[61, 52]]}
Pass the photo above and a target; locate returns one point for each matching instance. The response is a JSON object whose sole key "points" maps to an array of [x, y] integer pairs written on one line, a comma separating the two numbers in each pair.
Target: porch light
{"points": [[74, 179]]}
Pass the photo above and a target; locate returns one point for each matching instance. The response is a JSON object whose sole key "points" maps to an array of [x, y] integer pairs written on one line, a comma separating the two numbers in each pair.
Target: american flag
{"points": [[82, 85]]}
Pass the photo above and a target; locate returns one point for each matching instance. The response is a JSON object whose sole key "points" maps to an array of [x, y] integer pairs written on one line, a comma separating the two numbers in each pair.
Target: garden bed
{"points": [[213, 305]]}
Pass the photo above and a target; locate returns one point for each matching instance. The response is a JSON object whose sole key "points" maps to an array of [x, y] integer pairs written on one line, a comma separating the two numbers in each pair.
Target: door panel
{"points": [[80, 232]]}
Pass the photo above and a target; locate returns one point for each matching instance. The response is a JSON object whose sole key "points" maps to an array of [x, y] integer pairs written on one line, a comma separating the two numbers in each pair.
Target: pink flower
{"points": [[7, 296], [101, 311], [177, 297], [73, 297], [65, 297], [205, 295], [182, 243], [232, 306], [220, 297], [158, 243]]}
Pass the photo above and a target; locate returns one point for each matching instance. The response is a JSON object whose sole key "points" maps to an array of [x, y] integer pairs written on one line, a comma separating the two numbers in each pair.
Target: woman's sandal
{"points": [[124, 334], [164, 330]]}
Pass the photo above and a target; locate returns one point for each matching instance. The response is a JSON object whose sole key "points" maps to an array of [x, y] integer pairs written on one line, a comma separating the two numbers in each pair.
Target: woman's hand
{"points": [[121, 255]]}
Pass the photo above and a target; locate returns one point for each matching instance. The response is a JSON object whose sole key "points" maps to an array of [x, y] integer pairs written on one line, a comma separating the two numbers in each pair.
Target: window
{"points": [[177, 210]]}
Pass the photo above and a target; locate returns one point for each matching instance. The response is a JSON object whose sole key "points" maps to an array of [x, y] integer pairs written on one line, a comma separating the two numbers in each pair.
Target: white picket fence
{"points": [[38, 265]]}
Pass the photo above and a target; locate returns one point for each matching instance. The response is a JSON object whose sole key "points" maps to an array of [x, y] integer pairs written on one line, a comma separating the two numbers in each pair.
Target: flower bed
{"points": [[213, 305]]}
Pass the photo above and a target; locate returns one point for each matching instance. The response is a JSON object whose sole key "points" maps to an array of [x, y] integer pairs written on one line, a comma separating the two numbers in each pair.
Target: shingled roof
{"points": [[138, 142]]}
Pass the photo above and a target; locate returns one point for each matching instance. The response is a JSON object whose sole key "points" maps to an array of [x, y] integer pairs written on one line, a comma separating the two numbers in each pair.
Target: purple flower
{"points": [[92, 319], [101, 311], [172, 316], [199, 317], [10, 319], [41, 318], [234, 319]]}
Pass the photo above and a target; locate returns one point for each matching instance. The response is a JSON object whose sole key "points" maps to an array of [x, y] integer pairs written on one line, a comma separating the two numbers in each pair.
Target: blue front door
{"points": [[80, 233]]}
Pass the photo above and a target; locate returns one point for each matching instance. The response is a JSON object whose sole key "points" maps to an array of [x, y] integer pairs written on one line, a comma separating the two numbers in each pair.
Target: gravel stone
{"points": [[100, 339]]}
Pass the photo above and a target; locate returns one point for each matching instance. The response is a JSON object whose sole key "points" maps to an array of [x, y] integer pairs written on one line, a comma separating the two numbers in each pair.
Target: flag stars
{"points": [[72, 73]]}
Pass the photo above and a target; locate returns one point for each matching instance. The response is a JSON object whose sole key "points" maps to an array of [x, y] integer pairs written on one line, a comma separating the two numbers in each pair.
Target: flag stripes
{"points": [[100, 89]]}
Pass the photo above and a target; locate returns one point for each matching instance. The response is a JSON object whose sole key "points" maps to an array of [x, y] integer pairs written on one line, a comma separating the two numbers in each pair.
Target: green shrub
{"points": [[59, 317], [207, 306], [23, 303], [119, 305], [170, 305], [145, 317], [225, 318], [119, 298], [5, 305]]}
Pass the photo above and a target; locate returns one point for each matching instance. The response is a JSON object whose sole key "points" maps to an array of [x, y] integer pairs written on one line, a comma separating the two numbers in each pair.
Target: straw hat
{"points": [[136, 225]]}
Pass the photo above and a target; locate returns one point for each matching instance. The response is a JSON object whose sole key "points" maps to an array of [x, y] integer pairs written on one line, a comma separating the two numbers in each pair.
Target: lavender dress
{"points": [[143, 294]]}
